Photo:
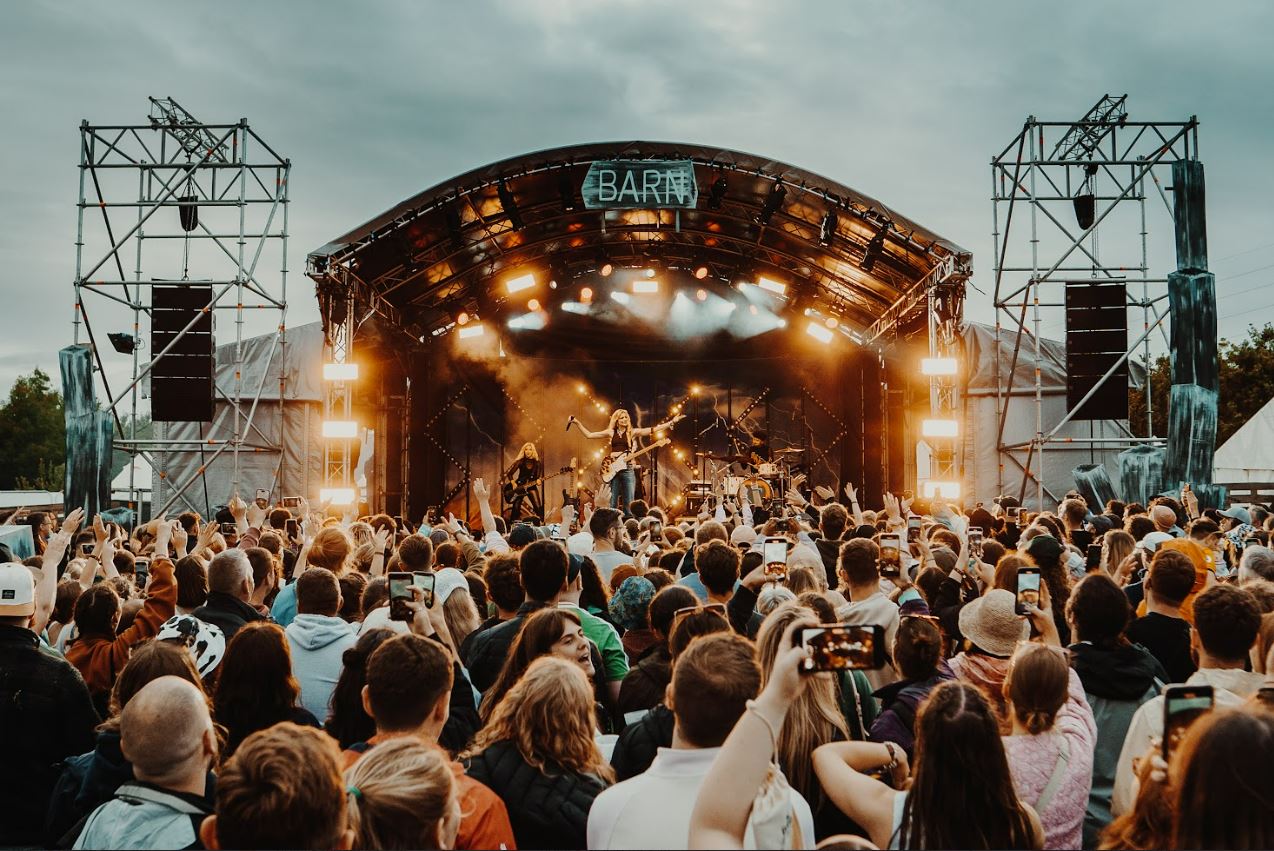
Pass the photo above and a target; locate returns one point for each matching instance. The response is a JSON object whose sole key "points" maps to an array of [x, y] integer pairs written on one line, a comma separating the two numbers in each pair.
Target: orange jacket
{"points": [[484, 821], [100, 659]]}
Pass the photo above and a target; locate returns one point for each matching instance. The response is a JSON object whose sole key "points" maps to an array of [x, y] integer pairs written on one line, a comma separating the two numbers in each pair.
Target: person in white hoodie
{"points": [[1226, 622], [318, 638]]}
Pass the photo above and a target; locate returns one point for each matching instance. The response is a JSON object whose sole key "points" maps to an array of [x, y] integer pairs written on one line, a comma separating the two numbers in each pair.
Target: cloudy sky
{"points": [[376, 100]]}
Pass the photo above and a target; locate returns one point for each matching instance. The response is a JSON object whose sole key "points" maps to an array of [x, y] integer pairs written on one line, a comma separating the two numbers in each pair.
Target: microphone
{"points": [[568, 423]]}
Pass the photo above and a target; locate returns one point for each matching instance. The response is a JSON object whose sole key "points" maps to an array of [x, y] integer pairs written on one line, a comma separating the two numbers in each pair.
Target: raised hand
{"points": [[793, 497], [237, 507], [61, 539], [256, 516], [380, 538], [99, 531], [206, 533], [162, 536], [893, 509], [180, 539], [851, 494], [480, 492]]}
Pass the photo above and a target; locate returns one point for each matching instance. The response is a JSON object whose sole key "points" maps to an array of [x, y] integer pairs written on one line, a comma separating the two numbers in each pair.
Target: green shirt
{"points": [[598, 631]]}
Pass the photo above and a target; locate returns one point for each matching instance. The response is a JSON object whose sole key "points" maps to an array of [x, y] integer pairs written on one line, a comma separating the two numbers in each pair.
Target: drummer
{"points": [[759, 446]]}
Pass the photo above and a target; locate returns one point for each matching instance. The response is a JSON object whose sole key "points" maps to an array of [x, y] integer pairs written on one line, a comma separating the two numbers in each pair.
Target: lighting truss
{"points": [[129, 238], [1039, 247]]}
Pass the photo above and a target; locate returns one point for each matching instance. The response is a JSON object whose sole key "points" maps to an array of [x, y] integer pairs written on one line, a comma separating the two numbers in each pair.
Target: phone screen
{"points": [[775, 571], [1028, 588], [291, 527], [399, 592], [774, 551], [229, 529], [656, 529], [841, 647], [1013, 514], [86, 549], [141, 572], [890, 555], [1094, 556], [425, 581], [975, 540], [1182, 705], [291, 502], [913, 529]]}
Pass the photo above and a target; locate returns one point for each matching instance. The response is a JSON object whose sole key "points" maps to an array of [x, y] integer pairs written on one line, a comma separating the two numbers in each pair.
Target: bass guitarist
{"points": [[525, 470], [623, 439]]}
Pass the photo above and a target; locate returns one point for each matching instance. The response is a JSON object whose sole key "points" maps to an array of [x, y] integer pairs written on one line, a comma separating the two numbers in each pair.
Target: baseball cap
{"points": [[1239, 513], [17, 590], [1152, 541], [205, 641], [448, 580], [743, 535]]}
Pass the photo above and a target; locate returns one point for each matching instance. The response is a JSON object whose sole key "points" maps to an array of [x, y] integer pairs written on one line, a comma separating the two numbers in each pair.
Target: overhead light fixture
{"points": [[533, 305], [701, 272], [650, 273], [343, 429], [337, 496], [819, 332], [462, 318], [586, 295], [771, 285], [340, 372], [559, 274], [604, 264], [509, 204], [827, 230], [521, 282], [716, 193], [470, 331], [645, 286], [941, 490], [939, 366], [123, 343], [875, 248], [939, 428], [831, 322], [773, 202], [702, 295]]}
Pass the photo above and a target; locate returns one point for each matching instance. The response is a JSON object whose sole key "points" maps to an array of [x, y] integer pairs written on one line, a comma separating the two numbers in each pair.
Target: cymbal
{"points": [[792, 450]]}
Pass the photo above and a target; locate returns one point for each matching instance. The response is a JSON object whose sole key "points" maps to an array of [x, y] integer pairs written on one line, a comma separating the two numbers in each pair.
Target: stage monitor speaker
{"points": [[1096, 340], [181, 382]]}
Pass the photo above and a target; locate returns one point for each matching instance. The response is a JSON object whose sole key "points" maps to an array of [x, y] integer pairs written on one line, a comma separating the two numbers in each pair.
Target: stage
{"points": [[755, 299]]}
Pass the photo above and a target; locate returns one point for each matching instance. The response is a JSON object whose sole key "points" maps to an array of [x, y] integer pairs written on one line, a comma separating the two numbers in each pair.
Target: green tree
{"points": [[32, 435], [1246, 376]]}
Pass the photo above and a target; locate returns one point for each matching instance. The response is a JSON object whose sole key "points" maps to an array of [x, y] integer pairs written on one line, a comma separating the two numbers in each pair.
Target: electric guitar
{"points": [[617, 461], [512, 490]]}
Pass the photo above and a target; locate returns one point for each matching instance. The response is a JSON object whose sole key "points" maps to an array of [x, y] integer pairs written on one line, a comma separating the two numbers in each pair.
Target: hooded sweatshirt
{"points": [[317, 643], [1117, 680]]}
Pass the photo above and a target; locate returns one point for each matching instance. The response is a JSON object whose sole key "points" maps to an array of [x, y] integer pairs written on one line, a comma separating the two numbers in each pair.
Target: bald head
{"points": [[1165, 518], [231, 573], [166, 732]]}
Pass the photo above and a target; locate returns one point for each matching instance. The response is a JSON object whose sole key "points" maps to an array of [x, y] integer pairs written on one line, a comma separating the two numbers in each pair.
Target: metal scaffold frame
{"points": [[1123, 164], [137, 183]]}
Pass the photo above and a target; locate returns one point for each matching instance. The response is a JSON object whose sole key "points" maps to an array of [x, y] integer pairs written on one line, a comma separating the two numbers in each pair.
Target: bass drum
{"points": [[755, 490]]}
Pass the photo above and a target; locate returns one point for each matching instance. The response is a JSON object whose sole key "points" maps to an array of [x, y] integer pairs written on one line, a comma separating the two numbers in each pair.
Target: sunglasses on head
{"points": [[719, 608]]}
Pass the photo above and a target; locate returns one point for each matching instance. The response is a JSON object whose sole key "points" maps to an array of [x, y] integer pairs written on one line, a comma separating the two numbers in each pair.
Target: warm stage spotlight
{"points": [[939, 366], [533, 305], [701, 272], [462, 318], [340, 372], [819, 332], [831, 322], [650, 273], [586, 295], [521, 282], [346, 429], [939, 428], [337, 496], [649, 286], [702, 295], [771, 285], [942, 490]]}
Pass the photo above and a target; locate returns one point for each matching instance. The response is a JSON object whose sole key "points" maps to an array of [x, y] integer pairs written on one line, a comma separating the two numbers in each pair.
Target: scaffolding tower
{"points": [[176, 202], [1125, 166]]}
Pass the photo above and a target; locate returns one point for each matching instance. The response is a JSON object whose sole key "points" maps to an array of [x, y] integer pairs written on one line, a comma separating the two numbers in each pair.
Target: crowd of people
{"points": [[281, 677]]}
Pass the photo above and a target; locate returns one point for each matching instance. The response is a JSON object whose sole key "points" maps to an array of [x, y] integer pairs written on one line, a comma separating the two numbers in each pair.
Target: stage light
{"points": [[552, 285], [676, 409], [469, 331], [694, 389], [716, 194], [650, 273], [701, 272], [782, 323], [521, 282], [337, 496], [462, 318], [649, 286], [818, 332], [875, 248], [604, 265], [831, 322], [939, 366], [939, 428], [125, 344], [340, 372], [621, 297], [827, 229], [586, 295], [772, 203], [345, 429], [533, 305], [942, 490], [509, 204], [771, 285], [702, 295]]}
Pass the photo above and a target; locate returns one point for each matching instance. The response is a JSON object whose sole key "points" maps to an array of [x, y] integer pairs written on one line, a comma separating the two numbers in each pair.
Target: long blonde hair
{"points": [[815, 717], [398, 795], [534, 455], [548, 715], [1116, 545], [614, 421]]}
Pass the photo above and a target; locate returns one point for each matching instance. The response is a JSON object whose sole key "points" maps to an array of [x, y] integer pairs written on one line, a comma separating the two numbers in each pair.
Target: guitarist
{"points": [[623, 438], [526, 468]]}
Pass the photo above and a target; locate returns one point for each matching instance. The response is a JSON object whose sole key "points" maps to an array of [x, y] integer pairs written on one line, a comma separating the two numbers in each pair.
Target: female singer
{"points": [[622, 437], [526, 468]]}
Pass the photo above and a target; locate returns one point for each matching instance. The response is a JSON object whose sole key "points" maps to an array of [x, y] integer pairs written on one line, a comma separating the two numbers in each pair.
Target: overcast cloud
{"points": [[376, 100]]}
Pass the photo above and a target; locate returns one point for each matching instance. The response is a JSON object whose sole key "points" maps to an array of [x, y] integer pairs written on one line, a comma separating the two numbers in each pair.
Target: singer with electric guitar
{"points": [[616, 468]]}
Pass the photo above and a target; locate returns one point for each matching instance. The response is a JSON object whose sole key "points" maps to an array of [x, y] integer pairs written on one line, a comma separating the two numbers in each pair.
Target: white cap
{"points": [[743, 535], [17, 590], [446, 581]]}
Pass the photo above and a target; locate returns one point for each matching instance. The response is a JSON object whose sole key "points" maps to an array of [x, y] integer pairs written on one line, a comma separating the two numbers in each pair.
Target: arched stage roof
{"points": [[448, 248]]}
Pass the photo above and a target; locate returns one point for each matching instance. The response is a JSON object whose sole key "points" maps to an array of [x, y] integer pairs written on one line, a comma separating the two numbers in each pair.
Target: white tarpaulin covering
{"points": [[983, 477], [1248, 456], [294, 423]]}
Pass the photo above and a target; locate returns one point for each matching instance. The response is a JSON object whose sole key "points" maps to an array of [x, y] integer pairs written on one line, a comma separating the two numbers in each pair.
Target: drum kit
{"points": [[746, 477]]}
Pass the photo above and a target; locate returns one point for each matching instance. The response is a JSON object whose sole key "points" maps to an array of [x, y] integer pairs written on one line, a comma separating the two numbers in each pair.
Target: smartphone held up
{"points": [[842, 647]]}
